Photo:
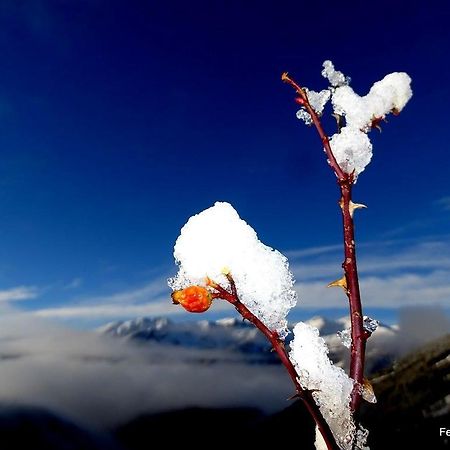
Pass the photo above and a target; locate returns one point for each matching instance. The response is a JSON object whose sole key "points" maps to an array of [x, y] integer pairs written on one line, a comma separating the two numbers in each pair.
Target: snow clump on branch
{"points": [[351, 146], [216, 241], [330, 385]]}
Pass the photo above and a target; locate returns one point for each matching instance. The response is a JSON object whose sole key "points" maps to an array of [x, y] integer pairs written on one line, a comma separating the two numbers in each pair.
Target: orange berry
{"points": [[194, 299]]}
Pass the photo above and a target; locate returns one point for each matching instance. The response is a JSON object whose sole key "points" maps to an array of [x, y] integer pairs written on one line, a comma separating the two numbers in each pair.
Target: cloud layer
{"points": [[18, 293], [101, 381]]}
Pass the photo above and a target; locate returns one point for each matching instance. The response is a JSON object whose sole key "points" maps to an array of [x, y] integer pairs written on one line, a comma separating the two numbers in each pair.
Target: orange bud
{"points": [[194, 299]]}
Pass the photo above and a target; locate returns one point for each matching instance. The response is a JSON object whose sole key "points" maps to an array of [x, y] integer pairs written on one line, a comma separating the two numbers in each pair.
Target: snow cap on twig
{"points": [[351, 146], [218, 239], [330, 385]]}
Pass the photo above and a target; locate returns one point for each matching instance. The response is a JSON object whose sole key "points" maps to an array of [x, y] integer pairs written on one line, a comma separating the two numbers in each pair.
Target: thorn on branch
{"points": [[294, 397], [367, 391], [376, 121], [366, 334], [351, 206], [211, 283], [302, 395], [341, 282], [232, 284]]}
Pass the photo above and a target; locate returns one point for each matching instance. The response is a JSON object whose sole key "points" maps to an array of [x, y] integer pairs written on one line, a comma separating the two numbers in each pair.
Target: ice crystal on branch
{"points": [[370, 325], [331, 386], [216, 241], [335, 77], [317, 100], [346, 337]]}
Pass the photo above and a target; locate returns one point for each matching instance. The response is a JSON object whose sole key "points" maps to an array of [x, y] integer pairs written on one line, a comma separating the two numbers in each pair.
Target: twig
{"points": [[345, 181], [279, 347], [315, 118]]}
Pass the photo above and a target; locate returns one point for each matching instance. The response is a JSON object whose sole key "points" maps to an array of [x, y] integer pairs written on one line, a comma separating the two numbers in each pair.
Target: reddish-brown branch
{"points": [[280, 349], [359, 337], [345, 181]]}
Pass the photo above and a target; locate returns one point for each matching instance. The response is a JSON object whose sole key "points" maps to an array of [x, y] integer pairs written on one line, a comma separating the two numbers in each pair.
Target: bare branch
{"points": [[279, 347]]}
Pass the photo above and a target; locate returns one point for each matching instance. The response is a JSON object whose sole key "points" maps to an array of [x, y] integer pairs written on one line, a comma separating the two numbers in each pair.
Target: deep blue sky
{"points": [[120, 119]]}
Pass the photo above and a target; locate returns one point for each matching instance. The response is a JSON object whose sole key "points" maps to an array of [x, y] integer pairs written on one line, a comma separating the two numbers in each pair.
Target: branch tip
{"points": [[211, 283]]}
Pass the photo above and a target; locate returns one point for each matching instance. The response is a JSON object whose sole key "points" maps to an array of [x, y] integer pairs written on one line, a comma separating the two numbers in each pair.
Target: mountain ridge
{"points": [[236, 335]]}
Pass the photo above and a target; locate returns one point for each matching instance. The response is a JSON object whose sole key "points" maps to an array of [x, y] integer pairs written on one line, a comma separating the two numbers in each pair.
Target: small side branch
{"points": [[316, 121], [279, 347]]}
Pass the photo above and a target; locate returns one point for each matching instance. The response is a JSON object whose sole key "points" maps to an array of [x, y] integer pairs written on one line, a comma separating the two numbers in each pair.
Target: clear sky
{"points": [[120, 119]]}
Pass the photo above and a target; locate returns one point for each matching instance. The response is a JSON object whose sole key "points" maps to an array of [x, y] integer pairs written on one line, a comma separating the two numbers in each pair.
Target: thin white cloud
{"points": [[144, 300], [313, 251], [162, 307], [152, 299], [110, 310], [381, 292], [379, 258], [18, 293], [74, 283], [443, 203], [392, 275], [151, 290]]}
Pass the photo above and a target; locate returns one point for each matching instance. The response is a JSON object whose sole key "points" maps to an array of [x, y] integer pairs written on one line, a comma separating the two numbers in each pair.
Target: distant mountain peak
{"points": [[229, 322], [235, 335]]}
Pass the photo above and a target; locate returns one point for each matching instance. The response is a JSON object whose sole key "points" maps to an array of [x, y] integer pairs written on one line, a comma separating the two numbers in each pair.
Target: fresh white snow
{"points": [[218, 240], [351, 146], [331, 386]]}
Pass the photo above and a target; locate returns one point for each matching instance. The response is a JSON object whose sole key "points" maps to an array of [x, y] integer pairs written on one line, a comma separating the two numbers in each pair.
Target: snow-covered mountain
{"points": [[237, 336], [230, 334]]}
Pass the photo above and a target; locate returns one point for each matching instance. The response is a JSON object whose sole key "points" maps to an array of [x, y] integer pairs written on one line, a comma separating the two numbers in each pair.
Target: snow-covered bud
{"points": [[195, 299]]}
